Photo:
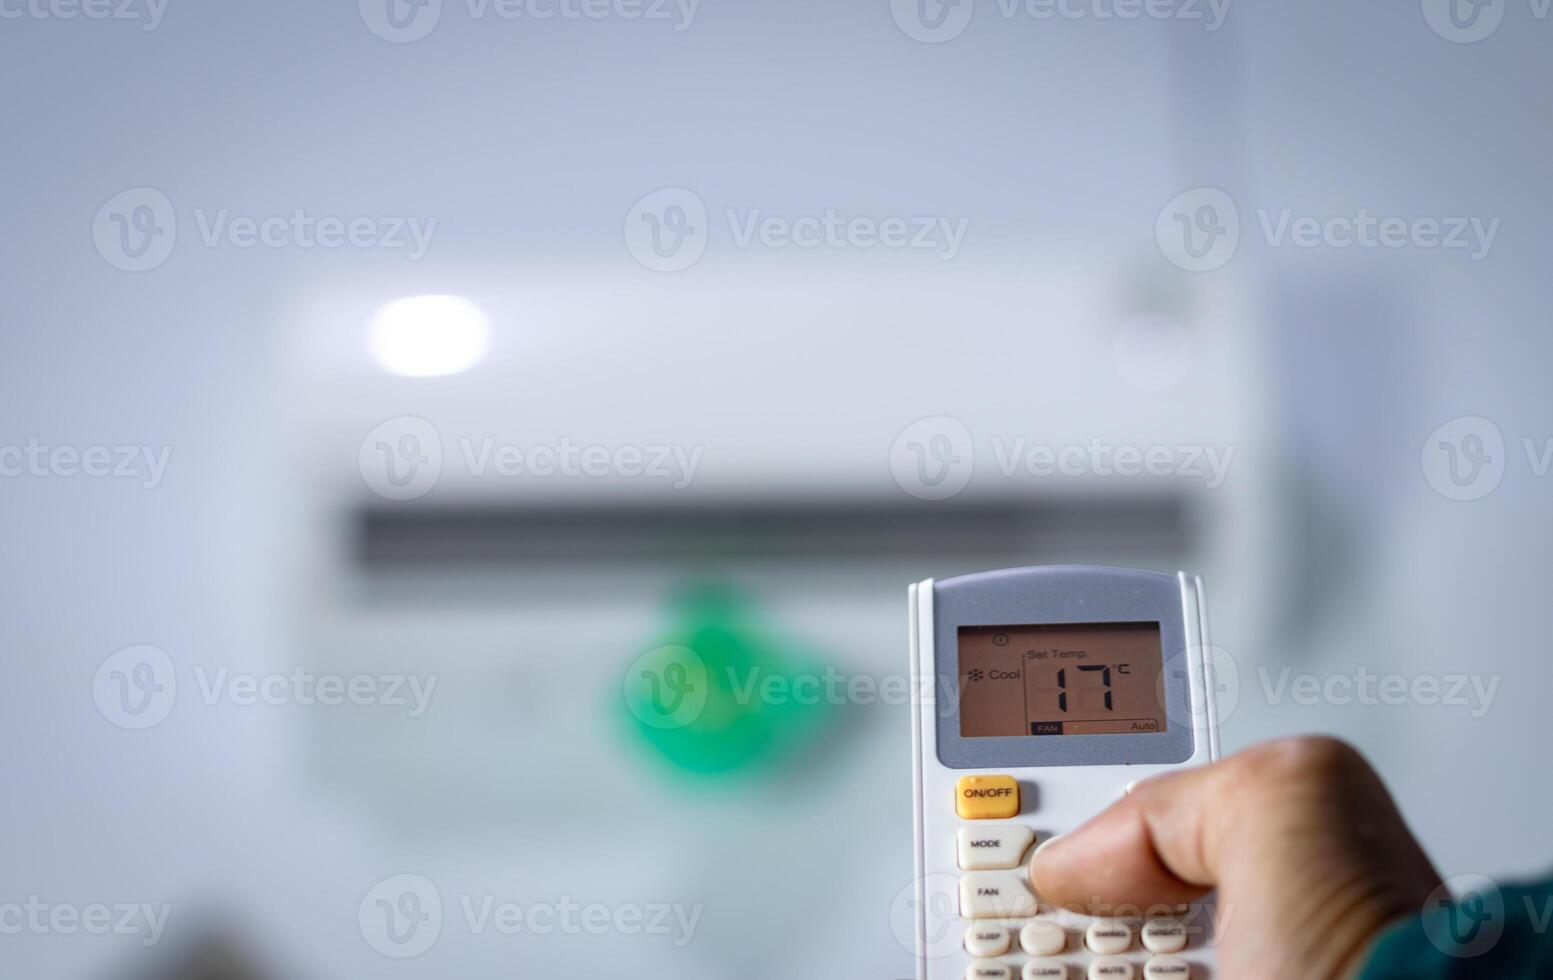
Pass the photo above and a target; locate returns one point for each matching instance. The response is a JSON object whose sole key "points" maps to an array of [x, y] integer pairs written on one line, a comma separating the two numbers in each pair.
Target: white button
{"points": [[989, 971], [1111, 968], [997, 846], [1108, 937], [988, 940], [1164, 936], [1045, 970], [1166, 968], [1043, 938], [995, 895]]}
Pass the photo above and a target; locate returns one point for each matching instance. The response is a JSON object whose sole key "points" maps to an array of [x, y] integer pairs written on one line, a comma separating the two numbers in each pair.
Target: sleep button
{"points": [[986, 797]]}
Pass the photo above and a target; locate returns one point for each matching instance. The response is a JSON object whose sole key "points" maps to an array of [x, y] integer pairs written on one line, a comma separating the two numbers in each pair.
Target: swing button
{"points": [[986, 798]]}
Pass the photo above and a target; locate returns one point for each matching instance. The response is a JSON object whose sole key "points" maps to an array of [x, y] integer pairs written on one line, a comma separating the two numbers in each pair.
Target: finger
{"points": [[1142, 851]]}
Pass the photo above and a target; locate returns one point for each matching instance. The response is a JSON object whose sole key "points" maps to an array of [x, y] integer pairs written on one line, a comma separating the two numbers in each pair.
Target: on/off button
{"points": [[986, 797]]}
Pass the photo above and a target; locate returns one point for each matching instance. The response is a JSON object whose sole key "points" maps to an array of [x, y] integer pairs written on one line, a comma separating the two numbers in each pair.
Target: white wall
{"points": [[529, 143]]}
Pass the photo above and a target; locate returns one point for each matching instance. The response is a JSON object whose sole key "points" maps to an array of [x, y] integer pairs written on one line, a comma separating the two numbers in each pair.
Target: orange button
{"points": [[986, 797]]}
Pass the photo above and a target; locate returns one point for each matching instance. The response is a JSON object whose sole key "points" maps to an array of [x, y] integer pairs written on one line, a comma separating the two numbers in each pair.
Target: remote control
{"points": [[1048, 692]]}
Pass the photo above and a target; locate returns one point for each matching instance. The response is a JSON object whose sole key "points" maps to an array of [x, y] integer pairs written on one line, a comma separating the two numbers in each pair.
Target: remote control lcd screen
{"points": [[1066, 679]]}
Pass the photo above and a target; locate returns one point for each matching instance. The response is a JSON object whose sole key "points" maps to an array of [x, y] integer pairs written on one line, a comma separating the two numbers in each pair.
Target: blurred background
{"points": [[382, 385]]}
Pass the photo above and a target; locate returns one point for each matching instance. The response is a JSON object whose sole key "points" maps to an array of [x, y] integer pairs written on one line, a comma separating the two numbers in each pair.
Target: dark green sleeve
{"points": [[1495, 934]]}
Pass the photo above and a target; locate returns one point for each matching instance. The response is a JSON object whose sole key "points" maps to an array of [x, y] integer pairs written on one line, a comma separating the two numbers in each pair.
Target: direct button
{"points": [[988, 940], [1164, 936], [986, 797], [995, 895], [993, 848]]}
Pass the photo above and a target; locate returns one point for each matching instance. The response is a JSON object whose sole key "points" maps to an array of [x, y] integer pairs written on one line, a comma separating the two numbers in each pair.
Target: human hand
{"points": [[1302, 841]]}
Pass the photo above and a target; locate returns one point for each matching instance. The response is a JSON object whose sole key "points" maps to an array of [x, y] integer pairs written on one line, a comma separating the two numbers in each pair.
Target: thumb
{"points": [[1145, 850]]}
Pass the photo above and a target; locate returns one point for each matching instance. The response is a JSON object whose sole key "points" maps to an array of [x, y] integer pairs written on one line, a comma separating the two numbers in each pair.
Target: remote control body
{"points": [[1048, 692]]}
